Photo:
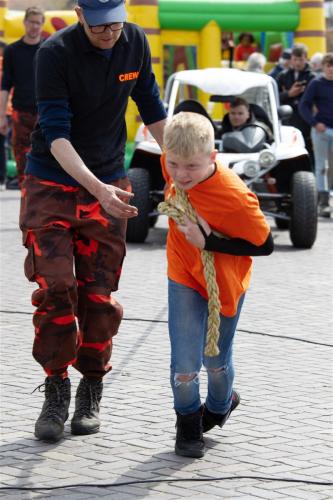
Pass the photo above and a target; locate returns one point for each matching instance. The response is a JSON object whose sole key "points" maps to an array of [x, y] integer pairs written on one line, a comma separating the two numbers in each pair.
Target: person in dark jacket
{"points": [[18, 74], [282, 65], [292, 83], [75, 201], [316, 107]]}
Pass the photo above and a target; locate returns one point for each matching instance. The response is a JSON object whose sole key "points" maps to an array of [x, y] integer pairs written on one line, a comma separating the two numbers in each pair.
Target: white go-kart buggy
{"points": [[268, 156]]}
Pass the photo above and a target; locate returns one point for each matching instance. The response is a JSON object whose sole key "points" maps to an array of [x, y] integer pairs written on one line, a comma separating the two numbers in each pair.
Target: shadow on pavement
{"points": [[23, 466], [28, 465]]}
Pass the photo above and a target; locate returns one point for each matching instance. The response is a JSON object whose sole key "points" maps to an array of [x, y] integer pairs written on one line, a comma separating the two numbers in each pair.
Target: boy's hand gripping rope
{"points": [[176, 208]]}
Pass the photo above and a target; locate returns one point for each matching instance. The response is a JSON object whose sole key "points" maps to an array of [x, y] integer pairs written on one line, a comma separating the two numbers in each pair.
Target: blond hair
{"points": [[188, 134], [34, 11]]}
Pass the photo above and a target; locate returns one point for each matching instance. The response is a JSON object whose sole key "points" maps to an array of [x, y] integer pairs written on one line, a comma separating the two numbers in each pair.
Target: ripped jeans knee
{"points": [[220, 383], [185, 387], [186, 378], [220, 369]]}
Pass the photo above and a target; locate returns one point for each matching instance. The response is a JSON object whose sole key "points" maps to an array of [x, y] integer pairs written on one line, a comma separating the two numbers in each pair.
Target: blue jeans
{"points": [[322, 148], [188, 313]]}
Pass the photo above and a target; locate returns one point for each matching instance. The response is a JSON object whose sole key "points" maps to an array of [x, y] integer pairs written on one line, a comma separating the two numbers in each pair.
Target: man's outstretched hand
{"points": [[115, 201]]}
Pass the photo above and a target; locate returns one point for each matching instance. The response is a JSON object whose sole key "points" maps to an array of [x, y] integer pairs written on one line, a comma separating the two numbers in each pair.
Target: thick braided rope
{"points": [[176, 208]]}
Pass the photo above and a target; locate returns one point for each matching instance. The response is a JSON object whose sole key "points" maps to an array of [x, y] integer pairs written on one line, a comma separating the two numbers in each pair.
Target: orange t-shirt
{"points": [[230, 208]]}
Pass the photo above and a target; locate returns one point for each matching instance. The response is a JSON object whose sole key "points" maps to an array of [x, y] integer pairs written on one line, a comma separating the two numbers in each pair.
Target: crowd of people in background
{"points": [[307, 86]]}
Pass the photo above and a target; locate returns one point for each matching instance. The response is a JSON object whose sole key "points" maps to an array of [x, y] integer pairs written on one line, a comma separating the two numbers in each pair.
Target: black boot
{"points": [[189, 439], [324, 209], [209, 419], [88, 396], [50, 423]]}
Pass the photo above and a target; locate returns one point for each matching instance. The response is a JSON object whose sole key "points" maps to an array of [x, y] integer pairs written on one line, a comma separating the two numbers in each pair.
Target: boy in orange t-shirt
{"points": [[225, 205]]}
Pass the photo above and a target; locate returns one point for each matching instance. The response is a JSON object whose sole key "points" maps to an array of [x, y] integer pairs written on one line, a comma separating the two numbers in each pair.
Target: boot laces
{"points": [[53, 397], [88, 397]]}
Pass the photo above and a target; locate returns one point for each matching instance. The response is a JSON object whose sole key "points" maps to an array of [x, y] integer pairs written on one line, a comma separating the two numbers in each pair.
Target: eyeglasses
{"points": [[101, 28]]}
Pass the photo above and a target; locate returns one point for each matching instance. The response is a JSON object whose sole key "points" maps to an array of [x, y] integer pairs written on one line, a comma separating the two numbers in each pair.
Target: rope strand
{"points": [[176, 207]]}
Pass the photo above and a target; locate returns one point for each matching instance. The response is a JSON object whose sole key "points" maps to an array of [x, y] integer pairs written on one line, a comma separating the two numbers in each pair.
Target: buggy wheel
{"points": [[282, 223], [138, 227], [303, 222]]}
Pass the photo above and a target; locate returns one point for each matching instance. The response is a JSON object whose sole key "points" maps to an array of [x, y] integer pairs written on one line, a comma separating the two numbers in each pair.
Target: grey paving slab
{"points": [[282, 429]]}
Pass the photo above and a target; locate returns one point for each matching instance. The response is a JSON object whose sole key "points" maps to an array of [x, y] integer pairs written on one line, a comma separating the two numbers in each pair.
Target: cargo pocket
{"points": [[29, 263], [117, 274]]}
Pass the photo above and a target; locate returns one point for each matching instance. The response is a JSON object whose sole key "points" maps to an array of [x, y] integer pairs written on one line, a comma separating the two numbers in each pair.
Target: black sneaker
{"points": [[50, 423], [88, 396], [189, 439], [209, 419]]}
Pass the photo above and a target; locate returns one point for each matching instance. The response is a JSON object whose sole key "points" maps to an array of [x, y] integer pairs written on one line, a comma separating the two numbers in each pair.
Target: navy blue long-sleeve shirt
{"points": [[82, 95], [319, 93]]}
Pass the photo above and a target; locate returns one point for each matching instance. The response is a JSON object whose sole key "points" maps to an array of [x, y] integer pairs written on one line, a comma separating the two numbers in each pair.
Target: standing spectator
{"points": [[256, 62], [316, 107], [18, 73], [245, 47], [3, 133], [283, 64], [75, 201], [292, 83], [316, 64]]}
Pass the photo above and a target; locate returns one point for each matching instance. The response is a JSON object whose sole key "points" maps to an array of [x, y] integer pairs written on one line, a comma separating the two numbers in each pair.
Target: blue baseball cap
{"points": [[103, 11]]}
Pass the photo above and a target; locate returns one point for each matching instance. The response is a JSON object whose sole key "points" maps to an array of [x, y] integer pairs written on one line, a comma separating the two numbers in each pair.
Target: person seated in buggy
{"points": [[249, 120], [243, 114]]}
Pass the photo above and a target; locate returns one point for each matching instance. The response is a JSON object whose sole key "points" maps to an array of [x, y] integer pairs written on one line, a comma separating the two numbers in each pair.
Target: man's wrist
{"points": [[95, 187]]}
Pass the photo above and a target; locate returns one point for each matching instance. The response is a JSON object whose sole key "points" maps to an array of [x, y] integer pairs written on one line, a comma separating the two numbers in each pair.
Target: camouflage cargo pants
{"points": [[23, 124], [75, 255]]}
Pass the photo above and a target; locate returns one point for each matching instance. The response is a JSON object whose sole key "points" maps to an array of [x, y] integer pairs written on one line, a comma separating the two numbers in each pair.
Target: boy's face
{"points": [[328, 71], [188, 172], [238, 116]]}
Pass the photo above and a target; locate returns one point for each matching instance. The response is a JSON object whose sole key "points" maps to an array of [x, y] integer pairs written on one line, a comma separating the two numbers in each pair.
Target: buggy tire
{"points": [[138, 227], [304, 217], [282, 223]]}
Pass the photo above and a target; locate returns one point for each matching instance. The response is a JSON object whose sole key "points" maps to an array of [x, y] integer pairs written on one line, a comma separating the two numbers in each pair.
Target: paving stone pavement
{"points": [[281, 430]]}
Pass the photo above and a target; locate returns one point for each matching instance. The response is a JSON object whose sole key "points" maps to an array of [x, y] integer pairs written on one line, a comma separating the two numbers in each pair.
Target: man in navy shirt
{"points": [[75, 201], [18, 74], [316, 107]]}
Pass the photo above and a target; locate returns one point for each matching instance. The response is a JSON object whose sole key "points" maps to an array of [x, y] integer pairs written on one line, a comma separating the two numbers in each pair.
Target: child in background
{"points": [[225, 205], [246, 47]]}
